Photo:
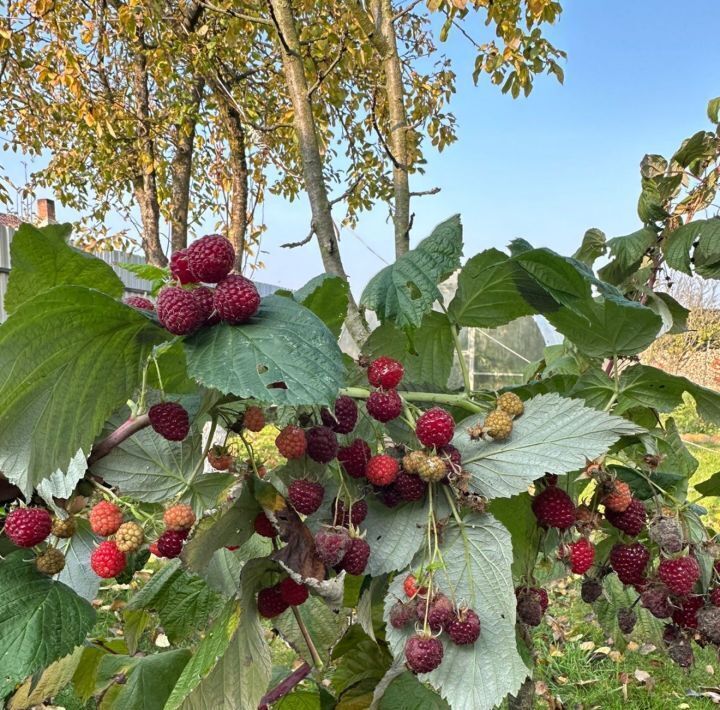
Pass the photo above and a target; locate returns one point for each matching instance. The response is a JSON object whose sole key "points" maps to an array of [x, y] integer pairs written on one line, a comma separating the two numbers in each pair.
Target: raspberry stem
{"points": [[454, 400]]}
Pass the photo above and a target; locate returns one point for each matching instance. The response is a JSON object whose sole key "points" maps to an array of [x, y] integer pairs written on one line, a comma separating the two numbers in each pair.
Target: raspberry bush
{"points": [[413, 521]]}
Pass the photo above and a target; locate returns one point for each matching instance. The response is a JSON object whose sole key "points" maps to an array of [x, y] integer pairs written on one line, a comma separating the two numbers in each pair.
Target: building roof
{"points": [[9, 220]]}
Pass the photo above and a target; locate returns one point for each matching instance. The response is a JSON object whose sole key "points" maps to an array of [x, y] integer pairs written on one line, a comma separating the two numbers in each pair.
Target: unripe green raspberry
{"points": [[129, 537], [50, 562]]}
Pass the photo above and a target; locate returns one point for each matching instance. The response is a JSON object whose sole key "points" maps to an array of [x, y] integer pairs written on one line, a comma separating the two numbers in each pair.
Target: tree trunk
{"points": [[238, 211], [181, 170], [304, 122], [380, 31], [145, 183]]}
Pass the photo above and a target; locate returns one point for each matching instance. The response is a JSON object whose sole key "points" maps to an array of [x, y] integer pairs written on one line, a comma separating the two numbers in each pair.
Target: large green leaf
{"points": [[477, 557], [554, 435], [516, 515], [593, 246], [406, 290], [645, 386], [487, 295], [183, 602], [285, 343], [206, 655], [40, 620], [357, 658], [607, 326], [696, 243], [427, 358], [627, 252], [240, 676], [41, 259], [77, 573], [150, 679], [406, 692], [327, 297], [68, 359]]}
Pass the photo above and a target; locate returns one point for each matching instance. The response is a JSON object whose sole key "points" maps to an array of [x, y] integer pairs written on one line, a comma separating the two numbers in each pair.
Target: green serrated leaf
{"points": [[478, 558], [710, 487], [358, 658], [713, 109], [285, 343], [487, 294], [429, 362], [406, 290], [68, 359], [696, 243], [30, 606], [555, 435], [77, 573], [406, 692], [42, 259], [147, 272], [327, 297], [593, 246], [627, 253]]}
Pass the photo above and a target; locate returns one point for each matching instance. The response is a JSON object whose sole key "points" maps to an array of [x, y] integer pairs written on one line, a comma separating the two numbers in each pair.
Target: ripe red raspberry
{"points": [[105, 518], [715, 596], [655, 599], [385, 372], [204, 298], [409, 487], [292, 592], [179, 267], [263, 526], [411, 587], [254, 419], [679, 574], [179, 517], [435, 428], [685, 614], [143, 304], [382, 470], [106, 560], [629, 562], [331, 544], [27, 527], [440, 612], [618, 497], [554, 508], [270, 602], [401, 614], [178, 311], [464, 628], [291, 442], [322, 445], [356, 556], [342, 516], [170, 543], [344, 417], [236, 299], [354, 458], [219, 458], [384, 406], [170, 420], [305, 496], [389, 495], [129, 537], [210, 258], [582, 555], [423, 653], [631, 521]]}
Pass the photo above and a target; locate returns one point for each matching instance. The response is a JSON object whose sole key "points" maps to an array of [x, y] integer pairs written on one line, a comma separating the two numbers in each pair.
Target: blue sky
{"points": [[637, 80]]}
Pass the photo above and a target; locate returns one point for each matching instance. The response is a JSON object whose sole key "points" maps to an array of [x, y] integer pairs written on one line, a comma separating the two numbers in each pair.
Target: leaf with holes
{"points": [[284, 355], [477, 557], [554, 435]]}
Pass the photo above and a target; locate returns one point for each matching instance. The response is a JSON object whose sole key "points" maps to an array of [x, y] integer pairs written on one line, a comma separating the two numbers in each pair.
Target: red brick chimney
{"points": [[46, 211]]}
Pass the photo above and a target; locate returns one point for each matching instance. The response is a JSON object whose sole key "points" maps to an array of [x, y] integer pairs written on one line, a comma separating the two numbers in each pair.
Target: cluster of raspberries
{"points": [[273, 601], [109, 558], [29, 527], [178, 520], [436, 614], [188, 305]]}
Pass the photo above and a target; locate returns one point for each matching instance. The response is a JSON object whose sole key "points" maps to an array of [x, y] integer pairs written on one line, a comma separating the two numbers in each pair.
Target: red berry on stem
{"points": [[179, 517], [354, 458], [435, 428], [139, 302], [554, 508], [382, 470], [170, 420], [582, 555], [680, 574], [464, 628], [210, 258], [179, 267], [291, 442], [629, 562], [322, 444], [170, 543], [293, 592], [342, 516], [106, 560], [384, 406], [344, 417], [631, 521], [305, 496], [27, 527], [236, 299], [356, 557], [105, 518], [423, 653], [270, 602], [263, 526], [331, 544], [178, 311], [385, 372], [410, 488], [254, 419], [204, 298], [685, 613]]}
